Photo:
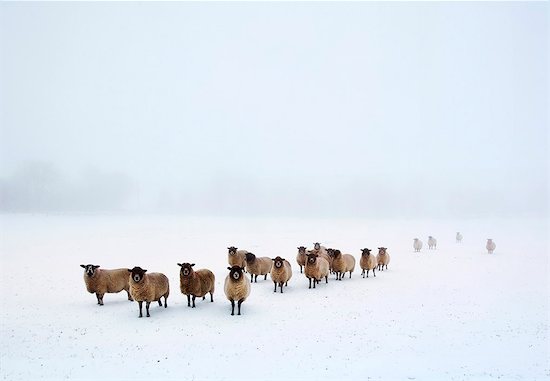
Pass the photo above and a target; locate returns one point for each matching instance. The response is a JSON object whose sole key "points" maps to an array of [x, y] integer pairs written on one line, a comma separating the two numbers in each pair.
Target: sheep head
{"points": [[365, 252], [301, 250], [336, 254], [232, 250], [317, 246], [235, 273], [278, 262], [186, 268], [382, 250], [137, 274], [90, 269], [311, 258], [250, 257]]}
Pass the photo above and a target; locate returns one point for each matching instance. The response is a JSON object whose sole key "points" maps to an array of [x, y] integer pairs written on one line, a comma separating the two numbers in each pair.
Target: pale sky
{"points": [[360, 109]]}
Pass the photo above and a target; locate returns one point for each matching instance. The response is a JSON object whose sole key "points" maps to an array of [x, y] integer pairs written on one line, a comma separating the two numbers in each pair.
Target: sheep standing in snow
{"points": [[196, 283], [281, 272], [236, 257], [491, 246], [301, 257], [432, 243], [342, 263], [101, 281], [316, 269], [367, 262], [458, 237], [236, 287], [383, 258], [417, 245], [258, 266], [148, 288], [318, 249]]}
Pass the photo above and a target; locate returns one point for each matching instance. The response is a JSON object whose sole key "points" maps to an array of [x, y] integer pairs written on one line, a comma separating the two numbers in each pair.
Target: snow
{"points": [[453, 313]]}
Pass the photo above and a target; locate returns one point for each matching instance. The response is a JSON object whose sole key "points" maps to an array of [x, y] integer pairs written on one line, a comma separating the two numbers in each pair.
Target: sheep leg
{"points": [[373, 272], [350, 275], [130, 296], [386, 267], [326, 278], [160, 303], [239, 305], [193, 301], [367, 273], [265, 278], [204, 298], [147, 304], [363, 273], [275, 290], [309, 282], [99, 298], [140, 303], [165, 302], [232, 307], [300, 269], [212, 296], [281, 285], [188, 300]]}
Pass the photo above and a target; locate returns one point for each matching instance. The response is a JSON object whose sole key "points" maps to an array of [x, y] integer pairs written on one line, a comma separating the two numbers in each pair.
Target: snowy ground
{"points": [[451, 314]]}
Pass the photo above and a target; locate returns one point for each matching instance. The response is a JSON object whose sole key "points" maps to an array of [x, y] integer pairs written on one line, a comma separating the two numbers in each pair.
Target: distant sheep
{"points": [[432, 243], [318, 249], [281, 272], [102, 281], [383, 258], [342, 263], [236, 287], [458, 237], [148, 288], [236, 257], [316, 269], [301, 257], [196, 283], [491, 246], [417, 245], [367, 262], [258, 266]]}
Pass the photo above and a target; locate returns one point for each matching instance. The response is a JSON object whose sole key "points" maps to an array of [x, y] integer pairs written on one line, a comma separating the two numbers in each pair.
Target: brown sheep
{"points": [[196, 283], [148, 288], [102, 281], [342, 263], [383, 258], [236, 257], [258, 266], [316, 269], [367, 262], [236, 287], [301, 257], [281, 272]]}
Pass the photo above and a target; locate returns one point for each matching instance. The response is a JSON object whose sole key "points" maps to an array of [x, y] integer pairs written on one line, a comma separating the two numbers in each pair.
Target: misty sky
{"points": [[261, 108]]}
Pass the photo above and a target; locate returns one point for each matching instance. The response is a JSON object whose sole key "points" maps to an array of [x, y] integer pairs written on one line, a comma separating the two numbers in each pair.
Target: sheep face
{"points": [[311, 258], [137, 274], [336, 254], [365, 252], [301, 250], [250, 257], [317, 246], [186, 268], [382, 250], [232, 250], [278, 262], [235, 273], [89, 269], [330, 252]]}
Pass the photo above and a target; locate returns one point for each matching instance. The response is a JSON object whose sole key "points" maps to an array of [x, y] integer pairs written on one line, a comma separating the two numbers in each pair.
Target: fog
{"points": [[321, 109]]}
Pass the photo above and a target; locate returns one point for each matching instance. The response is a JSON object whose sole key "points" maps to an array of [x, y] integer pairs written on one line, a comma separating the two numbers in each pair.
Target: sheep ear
{"points": [[273, 259], [83, 266], [192, 264], [96, 267], [242, 268], [180, 265], [144, 271], [129, 270], [229, 268]]}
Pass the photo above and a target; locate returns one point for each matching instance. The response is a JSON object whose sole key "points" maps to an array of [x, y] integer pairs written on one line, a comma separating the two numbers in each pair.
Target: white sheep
{"points": [[196, 283], [491, 246], [432, 243], [148, 288], [316, 269], [367, 262], [281, 272], [458, 237], [102, 281], [417, 245], [258, 266], [236, 287], [383, 258], [342, 263]]}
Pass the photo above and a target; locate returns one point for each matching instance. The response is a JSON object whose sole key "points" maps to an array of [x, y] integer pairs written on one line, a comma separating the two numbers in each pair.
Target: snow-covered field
{"points": [[455, 313]]}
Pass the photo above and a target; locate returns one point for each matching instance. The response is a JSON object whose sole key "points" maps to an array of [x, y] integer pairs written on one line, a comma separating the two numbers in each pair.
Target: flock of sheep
{"points": [[316, 264]]}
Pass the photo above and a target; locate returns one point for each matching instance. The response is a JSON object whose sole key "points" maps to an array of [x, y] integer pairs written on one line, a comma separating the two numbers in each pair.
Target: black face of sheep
{"points": [[302, 250], [137, 274], [336, 253], [365, 252], [382, 250], [330, 252], [311, 258], [89, 269], [278, 262], [236, 272], [232, 250], [186, 268], [250, 257], [316, 245]]}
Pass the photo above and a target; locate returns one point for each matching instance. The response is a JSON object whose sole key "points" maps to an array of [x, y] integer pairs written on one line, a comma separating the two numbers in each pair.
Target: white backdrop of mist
{"points": [[323, 109]]}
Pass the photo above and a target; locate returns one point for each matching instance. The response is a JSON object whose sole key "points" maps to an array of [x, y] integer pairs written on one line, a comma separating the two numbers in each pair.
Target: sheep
{"points": [[102, 281], [367, 262], [236, 287], [342, 263], [316, 268], [281, 272], [491, 246], [432, 243], [236, 257], [383, 258], [417, 245], [458, 237], [318, 249], [196, 283], [301, 257], [148, 288], [257, 266]]}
